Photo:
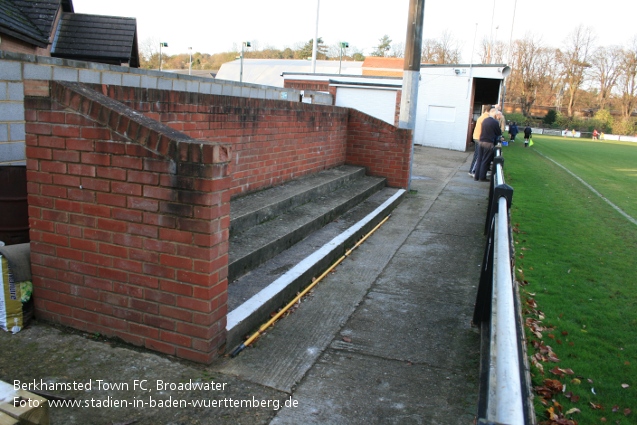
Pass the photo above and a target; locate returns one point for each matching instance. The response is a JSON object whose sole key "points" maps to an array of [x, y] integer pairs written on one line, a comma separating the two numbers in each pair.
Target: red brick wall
{"points": [[129, 223], [307, 85], [272, 141], [382, 148], [129, 212]]}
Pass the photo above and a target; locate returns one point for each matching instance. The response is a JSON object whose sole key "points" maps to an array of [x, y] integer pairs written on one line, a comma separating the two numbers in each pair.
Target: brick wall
{"points": [[129, 208], [322, 86], [272, 141], [129, 223], [382, 148]]}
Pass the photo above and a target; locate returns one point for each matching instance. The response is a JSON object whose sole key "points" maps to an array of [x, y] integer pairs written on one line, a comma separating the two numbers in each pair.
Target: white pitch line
{"points": [[619, 210]]}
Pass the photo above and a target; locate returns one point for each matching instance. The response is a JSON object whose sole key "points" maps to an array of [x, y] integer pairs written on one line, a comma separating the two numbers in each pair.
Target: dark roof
{"points": [[15, 20], [41, 13], [106, 39]]}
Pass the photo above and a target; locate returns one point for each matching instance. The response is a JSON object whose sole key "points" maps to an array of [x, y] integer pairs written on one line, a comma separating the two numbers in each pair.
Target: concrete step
{"points": [[268, 287], [257, 244], [256, 208]]}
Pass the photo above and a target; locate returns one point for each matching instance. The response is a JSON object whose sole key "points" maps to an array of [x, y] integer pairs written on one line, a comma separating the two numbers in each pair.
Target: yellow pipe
{"points": [[276, 317]]}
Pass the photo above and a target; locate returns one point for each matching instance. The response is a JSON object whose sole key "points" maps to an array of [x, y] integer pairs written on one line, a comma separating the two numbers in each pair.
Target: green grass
{"points": [[578, 255]]}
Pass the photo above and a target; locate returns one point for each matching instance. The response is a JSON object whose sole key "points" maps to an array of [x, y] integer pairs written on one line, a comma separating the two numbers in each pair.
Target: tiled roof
{"points": [[16, 22], [41, 13], [107, 39]]}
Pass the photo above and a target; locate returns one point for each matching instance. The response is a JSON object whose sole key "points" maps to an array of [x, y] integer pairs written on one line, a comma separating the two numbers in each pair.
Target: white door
{"points": [[377, 103]]}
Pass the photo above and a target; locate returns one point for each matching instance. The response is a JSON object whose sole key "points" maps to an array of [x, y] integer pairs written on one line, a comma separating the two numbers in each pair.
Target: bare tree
{"points": [[628, 79], [605, 69], [429, 49], [575, 62], [397, 50], [449, 48], [149, 53], [530, 61], [492, 52], [442, 50]]}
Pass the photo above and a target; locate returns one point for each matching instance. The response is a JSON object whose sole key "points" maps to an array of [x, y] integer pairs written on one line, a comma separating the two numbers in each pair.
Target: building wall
{"points": [[322, 86], [15, 68], [444, 104]]}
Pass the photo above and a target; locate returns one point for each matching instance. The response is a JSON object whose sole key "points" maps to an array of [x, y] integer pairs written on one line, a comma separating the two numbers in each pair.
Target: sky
{"points": [[213, 26]]}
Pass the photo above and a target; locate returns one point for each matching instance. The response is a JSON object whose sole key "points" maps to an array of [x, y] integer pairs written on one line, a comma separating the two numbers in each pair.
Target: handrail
{"points": [[504, 381], [508, 390]]}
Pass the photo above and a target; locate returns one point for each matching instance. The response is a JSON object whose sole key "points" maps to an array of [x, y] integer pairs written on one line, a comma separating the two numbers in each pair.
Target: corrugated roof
{"points": [[109, 39], [15, 21]]}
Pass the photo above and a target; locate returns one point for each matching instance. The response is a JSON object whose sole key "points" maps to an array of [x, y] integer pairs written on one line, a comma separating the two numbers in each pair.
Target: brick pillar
{"points": [[129, 223]]}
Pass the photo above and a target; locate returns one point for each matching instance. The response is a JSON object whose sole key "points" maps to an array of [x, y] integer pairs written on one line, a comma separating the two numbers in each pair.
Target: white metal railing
{"points": [[508, 389], [504, 382]]}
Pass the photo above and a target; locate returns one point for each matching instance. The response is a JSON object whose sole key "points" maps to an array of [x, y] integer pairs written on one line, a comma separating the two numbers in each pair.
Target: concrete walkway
{"points": [[384, 339]]}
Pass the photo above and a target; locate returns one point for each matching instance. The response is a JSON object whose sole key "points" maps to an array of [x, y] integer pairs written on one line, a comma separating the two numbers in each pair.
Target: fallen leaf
{"points": [[625, 386], [573, 410], [557, 371], [575, 381], [615, 409], [627, 411], [595, 406]]}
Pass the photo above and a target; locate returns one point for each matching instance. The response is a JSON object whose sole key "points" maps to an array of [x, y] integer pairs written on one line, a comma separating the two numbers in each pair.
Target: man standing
{"points": [[490, 134], [527, 135], [476, 137]]}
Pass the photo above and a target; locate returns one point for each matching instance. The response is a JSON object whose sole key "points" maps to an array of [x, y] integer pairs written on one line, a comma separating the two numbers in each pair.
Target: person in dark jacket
{"points": [[513, 131], [527, 135], [489, 136]]}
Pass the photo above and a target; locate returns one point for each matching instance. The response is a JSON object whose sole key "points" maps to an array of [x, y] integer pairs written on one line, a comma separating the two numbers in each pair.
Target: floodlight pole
{"points": [[244, 44], [315, 44], [162, 44], [343, 44], [190, 61]]}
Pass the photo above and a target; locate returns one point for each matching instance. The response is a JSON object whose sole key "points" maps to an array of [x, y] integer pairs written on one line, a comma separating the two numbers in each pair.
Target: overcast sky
{"points": [[212, 26]]}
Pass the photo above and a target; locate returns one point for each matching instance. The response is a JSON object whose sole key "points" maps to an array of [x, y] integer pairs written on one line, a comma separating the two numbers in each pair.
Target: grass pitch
{"points": [[578, 256]]}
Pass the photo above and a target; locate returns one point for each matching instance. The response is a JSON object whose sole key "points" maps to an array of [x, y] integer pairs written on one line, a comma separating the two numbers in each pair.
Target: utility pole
{"points": [[411, 73]]}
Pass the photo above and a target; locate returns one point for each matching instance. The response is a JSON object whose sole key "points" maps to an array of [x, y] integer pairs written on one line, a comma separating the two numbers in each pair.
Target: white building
{"points": [[450, 97]]}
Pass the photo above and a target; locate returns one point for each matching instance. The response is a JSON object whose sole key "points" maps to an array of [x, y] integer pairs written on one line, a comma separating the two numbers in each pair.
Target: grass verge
{"points": [[576, 255]]}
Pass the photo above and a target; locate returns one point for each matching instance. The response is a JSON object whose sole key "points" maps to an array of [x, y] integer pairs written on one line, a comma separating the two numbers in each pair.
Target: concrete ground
{"points": [[386, 338]]}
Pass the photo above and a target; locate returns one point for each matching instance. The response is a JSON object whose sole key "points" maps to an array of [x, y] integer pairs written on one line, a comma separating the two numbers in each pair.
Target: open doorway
{"points": [[486, 91]]}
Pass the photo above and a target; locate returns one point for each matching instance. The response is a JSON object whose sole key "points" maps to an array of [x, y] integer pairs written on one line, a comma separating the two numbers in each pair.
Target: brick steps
{"points": [[300, 242], [259, 243]]}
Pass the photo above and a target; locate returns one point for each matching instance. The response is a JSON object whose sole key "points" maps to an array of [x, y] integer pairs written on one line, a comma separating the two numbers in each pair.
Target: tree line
{"points": [[598, 82]]}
